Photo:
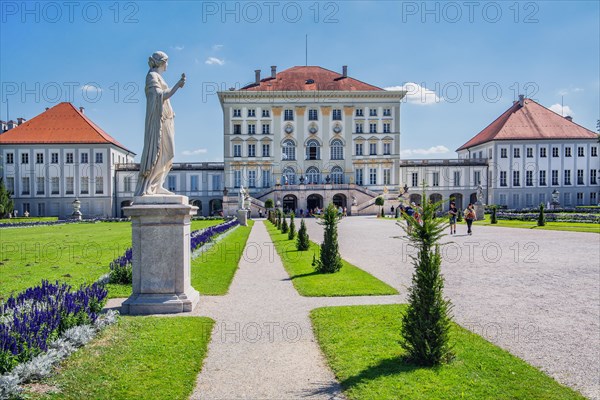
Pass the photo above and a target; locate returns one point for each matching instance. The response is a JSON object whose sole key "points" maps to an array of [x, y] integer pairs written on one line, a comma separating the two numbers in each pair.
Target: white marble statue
{"points": [[242, 199], [480, 194], [159, 133]]}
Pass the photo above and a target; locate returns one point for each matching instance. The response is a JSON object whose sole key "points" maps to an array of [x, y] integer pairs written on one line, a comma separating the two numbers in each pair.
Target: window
{"points": [[69, 157], [503, 200], [216, 182], [567, 177], [542, 198], [372, 112], [171, 183], [594, 151], [24, 158], [126, 184], [251, 129], [476, 177], [54, 185], [387, 149], [387, 176], [266, 150], [313, 175], [99, 158], [237, 179], [237, 150], [359, 112], [517, 152], [372, 176], [490, 154], [40, 185], [337, 175], [313, 150], [359, 175], [528, 200], [387, 112], [554, 177], [39, 158], [85, 185], [289, 150], [266, 114], [337, 150], [251, 113], [567, 152], [313, 115], [194, 183], [266, 129], [516, 178], [10, 158], [530, 152], [288, 115], [289, 176], [337, 114], [593, 198], [386, 127], [593, 179], [555, 152], [502, 178], [515, 200], [436, 179], [372, 149], [251, 150], [580, 153], [358, 149], [456, 178], [25, 185], [359, 128], [580, 177], [579, 199], [54, 158], [542, 152], [567, 199], [99, 185], [528, 178], [266, 178], [415, 179], [237, 113], [84, 158], [237, 129], [41, 209], [10, 184], [71, 185], [542, 178], [373, 128], [503, 153]]}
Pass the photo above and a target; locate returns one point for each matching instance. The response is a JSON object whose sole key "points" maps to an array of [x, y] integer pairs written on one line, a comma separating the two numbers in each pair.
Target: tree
{"points": [[6, 203], [426, 322], [303, 242], [269, 204], [541, 217], [329, 260], [379, 201], [284, 225], [493, 218], [292, 230], [278, 223]]}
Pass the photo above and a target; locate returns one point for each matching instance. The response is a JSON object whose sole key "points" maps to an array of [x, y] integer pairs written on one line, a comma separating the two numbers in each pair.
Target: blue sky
{"points": [[463, 62]]}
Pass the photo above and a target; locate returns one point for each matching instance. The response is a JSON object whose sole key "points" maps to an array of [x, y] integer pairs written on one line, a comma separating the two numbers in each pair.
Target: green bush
{"points": [[379, 201], [494, 218], [269, 203], [459, 217], [292, 230], [284, 225], [303, 242], [541, 218], [329, 260]]}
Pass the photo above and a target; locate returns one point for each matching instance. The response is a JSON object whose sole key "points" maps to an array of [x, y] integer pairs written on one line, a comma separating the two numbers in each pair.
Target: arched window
{"points": [[337, 150], [289, 176], [337, 175], [313, 175], [313, 150], [288, 150]]}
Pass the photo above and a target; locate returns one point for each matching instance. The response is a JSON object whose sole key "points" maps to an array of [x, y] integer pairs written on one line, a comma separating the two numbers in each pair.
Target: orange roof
{"points": [[61, 124], [529, 121], [309, 78]]}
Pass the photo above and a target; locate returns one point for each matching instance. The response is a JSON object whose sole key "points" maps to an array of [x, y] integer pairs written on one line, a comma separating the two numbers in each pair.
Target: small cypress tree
{"points": [[493, 218], [382, 213], [284, 225], [330, 260], [303, 242], [278, 223], [541, 218], [292, 230], [426, 322]]}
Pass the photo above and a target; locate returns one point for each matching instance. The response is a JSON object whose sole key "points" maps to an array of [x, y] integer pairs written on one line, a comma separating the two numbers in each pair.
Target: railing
{"points": [[437, 162], [176, 166]]}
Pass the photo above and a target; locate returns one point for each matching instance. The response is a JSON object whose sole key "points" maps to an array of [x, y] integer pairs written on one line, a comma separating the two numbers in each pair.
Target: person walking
{"points": [[452, 213], [470, 217]]}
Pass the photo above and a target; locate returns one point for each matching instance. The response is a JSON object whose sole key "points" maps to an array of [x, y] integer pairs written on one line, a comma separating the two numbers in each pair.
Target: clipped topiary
{"points": [[379, 201], [292, 230], [303, 242], [493, 218], [541, 217], [284, 225], [330, 260]]}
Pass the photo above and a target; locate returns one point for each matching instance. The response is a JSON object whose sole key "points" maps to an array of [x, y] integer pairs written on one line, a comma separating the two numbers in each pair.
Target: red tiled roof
{"points": [[299, 78], [527, 122], [61, 124]]}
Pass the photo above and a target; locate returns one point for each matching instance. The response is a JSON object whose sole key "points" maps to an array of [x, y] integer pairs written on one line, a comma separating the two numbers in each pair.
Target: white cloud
{"points": [[417, 94], [561, 110], [564, 92], [178, 48], [92, 88], [214, 61], [440, 149], [194, 152], [217, 47]]}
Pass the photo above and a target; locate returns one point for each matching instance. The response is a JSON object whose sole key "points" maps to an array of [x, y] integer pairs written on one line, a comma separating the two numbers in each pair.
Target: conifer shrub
{"points": [[303, 242], [541, 217], [292, 230], [329, 260]]}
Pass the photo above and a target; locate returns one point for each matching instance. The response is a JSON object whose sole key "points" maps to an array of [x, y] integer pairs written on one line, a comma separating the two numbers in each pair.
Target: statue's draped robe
{"points": [[159, 138]]}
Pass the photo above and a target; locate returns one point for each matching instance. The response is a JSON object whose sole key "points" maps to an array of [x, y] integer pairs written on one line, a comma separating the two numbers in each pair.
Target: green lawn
{"points": [[26, 220], [137, 358], [73, 253], [361, 344], [349, 281], [213, 270], [553, 226]]}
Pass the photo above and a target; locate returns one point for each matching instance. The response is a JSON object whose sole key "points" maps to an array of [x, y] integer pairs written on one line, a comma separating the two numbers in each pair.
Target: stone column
{"points": [[161, 256]]}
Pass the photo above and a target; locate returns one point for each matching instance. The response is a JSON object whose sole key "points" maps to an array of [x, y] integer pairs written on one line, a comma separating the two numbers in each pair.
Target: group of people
{"points": [[469, 215]]}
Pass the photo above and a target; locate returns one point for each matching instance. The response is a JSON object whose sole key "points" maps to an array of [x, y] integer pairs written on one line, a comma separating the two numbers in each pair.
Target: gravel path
{"points": [[534, 293]]}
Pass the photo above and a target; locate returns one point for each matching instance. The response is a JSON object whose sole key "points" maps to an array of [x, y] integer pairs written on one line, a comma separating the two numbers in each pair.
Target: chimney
{"points": [[521, 100], [47, 108], [82, 110], [273, 71], [345, 71], [569, 118], [20, 121], [257, 76]]}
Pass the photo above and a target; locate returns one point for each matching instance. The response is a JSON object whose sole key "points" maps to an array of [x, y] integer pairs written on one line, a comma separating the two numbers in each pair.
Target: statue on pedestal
{"points": [[159, 129], [244, 199], [479, 194]]}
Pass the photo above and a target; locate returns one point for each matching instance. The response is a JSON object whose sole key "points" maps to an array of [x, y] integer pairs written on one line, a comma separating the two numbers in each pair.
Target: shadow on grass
{"points": [[303, 275], [390, 366]]}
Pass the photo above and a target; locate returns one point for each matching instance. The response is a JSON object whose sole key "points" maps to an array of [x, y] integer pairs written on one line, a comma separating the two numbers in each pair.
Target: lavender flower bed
{"points": [[39, 315], [60, 222], [553, 217], [202, 236]]}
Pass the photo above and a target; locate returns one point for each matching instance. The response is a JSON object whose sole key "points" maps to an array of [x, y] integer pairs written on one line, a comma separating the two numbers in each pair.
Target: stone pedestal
{"points": [[242, 216], [161, 256], [479, 211]]}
